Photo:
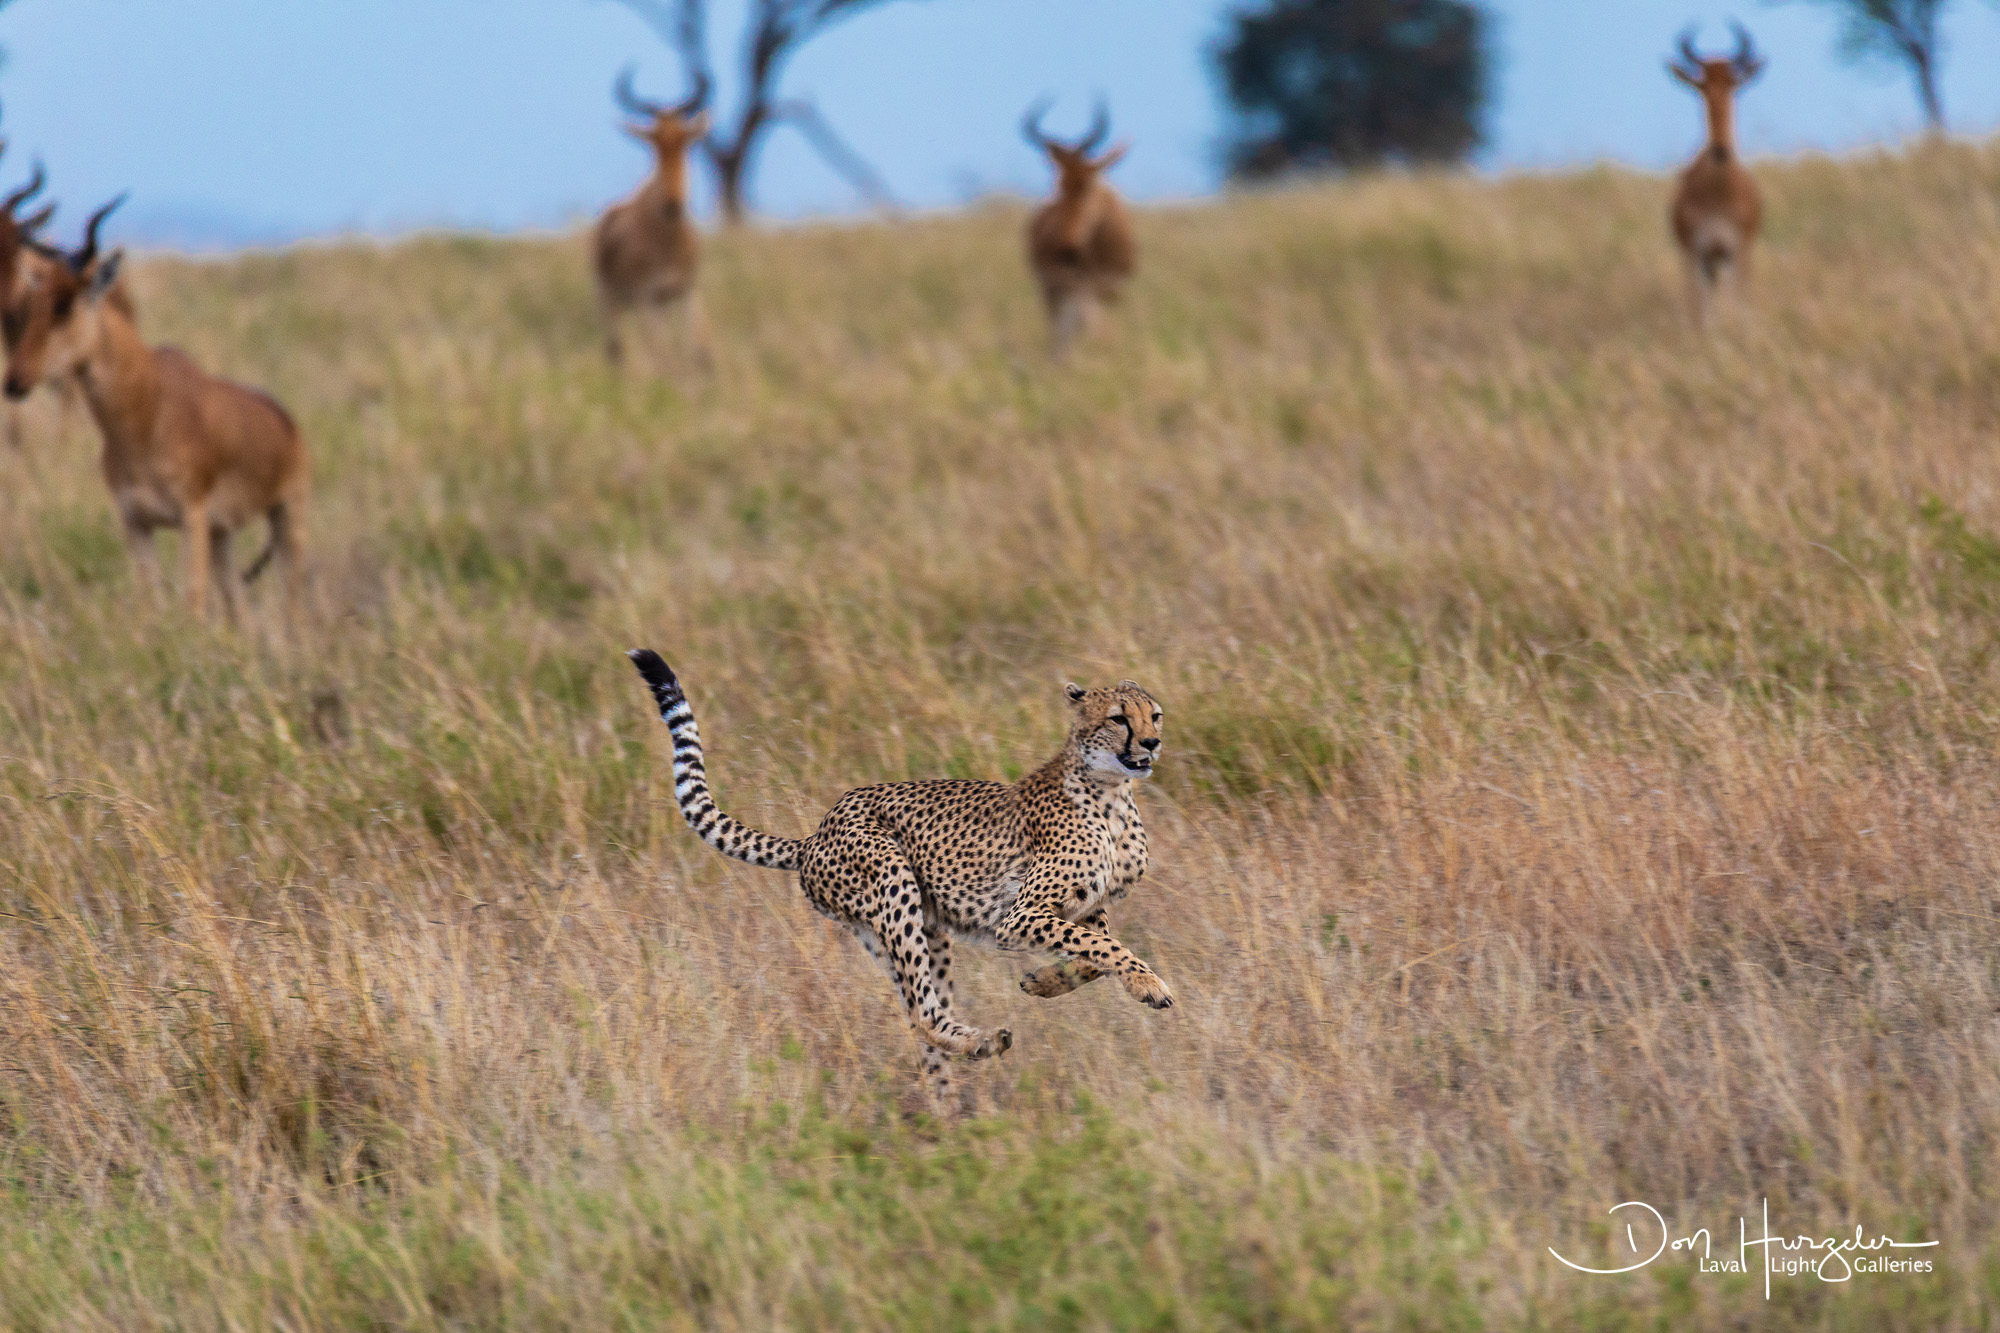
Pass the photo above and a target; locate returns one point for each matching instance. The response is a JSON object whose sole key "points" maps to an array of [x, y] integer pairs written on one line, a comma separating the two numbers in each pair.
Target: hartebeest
{"points": [[1079, 243], [182, 449], [1716, 209], [645, 248]]}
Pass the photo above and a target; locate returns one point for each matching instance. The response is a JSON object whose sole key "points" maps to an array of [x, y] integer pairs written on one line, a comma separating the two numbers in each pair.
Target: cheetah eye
{"points": [[1157, 717]]}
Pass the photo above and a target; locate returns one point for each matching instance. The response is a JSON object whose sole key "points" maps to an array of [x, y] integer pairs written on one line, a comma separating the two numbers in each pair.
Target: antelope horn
{"points": [[1686, 47], [631, 101], [695, 100], [1746, 60], [1100, 126], [81, 260], [1031, 124], [26, 192], [37, 220]]}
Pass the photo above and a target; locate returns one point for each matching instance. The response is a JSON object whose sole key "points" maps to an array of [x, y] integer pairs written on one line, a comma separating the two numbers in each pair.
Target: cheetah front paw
{"points": [[1147, 988]]}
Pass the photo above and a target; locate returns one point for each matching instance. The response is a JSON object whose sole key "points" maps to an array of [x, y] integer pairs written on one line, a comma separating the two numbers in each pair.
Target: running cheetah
{"points": [[908, 865]]}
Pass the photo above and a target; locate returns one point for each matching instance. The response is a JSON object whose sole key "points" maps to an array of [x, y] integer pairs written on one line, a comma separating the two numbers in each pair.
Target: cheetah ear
{"points": [[1131, 685], [1075, 692]]}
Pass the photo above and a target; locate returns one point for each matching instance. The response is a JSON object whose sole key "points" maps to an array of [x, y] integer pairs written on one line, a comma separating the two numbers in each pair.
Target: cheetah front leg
{"points": [[1065, 974], [1033, 923]]}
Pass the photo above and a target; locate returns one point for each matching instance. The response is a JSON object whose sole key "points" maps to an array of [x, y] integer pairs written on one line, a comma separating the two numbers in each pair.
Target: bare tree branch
{"points": [[1905, 31], [837, 153], [669, 18]]}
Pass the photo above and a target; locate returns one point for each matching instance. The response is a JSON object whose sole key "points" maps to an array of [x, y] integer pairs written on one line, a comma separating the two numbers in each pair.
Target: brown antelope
{"points": [[1716, 209], [182, 449], [1079, 243], [645, 248]]}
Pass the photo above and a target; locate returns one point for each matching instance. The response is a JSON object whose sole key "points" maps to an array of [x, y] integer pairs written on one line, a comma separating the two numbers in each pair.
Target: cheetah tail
{"points": [[691, 777]]}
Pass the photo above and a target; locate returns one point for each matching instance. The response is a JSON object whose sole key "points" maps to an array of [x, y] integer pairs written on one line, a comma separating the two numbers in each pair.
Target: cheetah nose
{"points": [[1150, 743]]}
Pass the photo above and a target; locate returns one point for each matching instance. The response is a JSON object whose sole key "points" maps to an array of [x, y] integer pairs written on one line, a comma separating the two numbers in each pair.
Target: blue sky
{"points": [[235, 121]]}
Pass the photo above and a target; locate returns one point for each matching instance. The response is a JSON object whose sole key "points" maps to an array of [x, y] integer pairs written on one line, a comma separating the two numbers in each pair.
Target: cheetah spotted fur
{"points": [[908, 866]]}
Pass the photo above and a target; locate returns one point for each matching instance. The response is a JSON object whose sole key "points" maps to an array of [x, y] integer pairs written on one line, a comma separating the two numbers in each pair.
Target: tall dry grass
{"points": [[1579, 786]]}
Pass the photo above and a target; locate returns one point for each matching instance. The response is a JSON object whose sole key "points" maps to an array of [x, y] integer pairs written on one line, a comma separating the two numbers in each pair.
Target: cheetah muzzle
{"points": [[908, 866]]}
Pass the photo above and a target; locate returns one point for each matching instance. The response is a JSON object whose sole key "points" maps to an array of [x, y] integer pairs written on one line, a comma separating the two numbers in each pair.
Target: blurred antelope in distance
{"points": [[182, 449], [1079, 243], [645, 248], [1716, 209]]}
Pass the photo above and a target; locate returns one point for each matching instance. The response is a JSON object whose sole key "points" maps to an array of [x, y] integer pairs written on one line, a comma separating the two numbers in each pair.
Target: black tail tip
{"points": [[653, 668]]}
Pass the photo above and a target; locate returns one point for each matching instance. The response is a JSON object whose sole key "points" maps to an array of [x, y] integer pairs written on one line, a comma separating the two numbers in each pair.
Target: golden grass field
{"points": [[1580, 783]]}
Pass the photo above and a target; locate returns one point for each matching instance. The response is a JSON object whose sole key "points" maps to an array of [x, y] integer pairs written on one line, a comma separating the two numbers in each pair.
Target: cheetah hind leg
{"points": [[931, 1013], [906, 938], [969, 1042], [936, 1064], [934, 1077], [941, 1036]]}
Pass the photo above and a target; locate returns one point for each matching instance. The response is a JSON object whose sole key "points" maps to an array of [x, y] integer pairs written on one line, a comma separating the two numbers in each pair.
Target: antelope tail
{"points": [[698, 807]]}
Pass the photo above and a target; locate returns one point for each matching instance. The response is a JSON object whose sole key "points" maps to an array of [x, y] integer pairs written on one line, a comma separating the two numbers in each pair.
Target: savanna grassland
{"points": [[1580, 783]]}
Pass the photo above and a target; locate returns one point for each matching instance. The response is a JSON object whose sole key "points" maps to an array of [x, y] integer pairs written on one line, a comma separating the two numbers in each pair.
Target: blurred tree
{"points": [[1350, 83], [774, 32], [1904, 31], [3, 50]]}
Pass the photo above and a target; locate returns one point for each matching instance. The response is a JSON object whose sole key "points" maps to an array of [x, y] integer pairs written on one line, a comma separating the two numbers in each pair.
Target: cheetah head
{"points": [[1117, 730]]}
